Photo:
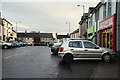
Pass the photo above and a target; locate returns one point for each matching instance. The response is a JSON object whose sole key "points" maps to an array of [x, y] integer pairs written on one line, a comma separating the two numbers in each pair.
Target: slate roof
{"points": [[31, 35]]}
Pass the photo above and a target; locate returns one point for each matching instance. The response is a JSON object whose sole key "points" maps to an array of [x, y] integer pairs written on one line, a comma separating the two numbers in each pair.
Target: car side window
{"points": [[89, 45], [76, 44]]}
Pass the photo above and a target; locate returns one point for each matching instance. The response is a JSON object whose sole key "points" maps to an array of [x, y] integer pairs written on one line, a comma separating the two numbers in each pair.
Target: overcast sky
{"points": [[45, 16]]}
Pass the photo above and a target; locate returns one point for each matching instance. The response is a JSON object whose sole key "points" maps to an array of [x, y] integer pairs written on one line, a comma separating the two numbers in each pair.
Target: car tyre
{"points": [[106, 58], [5, 46], [68, 58]]}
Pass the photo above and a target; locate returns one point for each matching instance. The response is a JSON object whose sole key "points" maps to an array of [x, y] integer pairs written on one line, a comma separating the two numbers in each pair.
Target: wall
{"points": [[118, 29], [7, 29], [1, 29]]}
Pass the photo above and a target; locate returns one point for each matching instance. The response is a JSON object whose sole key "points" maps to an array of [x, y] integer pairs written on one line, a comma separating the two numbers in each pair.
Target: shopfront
{"points": [[90, 32], [107, 33]]}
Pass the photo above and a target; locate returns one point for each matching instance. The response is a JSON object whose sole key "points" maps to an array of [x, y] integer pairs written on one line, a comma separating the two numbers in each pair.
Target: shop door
{"points": [[103, 39], [107, 39]]}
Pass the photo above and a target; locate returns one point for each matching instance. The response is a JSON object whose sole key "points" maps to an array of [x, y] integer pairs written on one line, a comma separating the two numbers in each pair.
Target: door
{"points": [[76, 48], [91, 50], [106, 40]]}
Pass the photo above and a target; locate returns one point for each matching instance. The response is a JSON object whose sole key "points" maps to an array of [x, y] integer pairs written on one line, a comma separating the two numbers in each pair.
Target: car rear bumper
{"points": [[60, 54]]}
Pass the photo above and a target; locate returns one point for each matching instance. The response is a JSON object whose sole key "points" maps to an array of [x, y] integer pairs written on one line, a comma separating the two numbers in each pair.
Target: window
{"points": [[77, 44], [104, 12], [89, 45], [109, 8]]}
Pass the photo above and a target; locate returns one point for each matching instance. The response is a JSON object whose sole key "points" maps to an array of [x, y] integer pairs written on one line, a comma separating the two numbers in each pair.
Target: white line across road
{"points": [[10, 56]]}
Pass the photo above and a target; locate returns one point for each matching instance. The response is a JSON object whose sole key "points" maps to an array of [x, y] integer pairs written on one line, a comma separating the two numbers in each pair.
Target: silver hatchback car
{"points": [[83, 49]]}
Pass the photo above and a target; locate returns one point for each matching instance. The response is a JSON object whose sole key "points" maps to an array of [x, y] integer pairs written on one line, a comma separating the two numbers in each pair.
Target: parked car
{"points": [[50, 44], [29, 44], [83, 49], [13, 42], [21, 43], [6, 45], [55, 48], [43, 44], [17, 44]]}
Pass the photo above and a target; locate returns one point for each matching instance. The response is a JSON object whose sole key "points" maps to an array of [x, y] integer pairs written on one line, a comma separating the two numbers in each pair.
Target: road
{"points": [[37, 62]]}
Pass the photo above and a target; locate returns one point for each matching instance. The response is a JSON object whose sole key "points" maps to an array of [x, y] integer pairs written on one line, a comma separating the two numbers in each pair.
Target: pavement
{"points": [[36, 63]]}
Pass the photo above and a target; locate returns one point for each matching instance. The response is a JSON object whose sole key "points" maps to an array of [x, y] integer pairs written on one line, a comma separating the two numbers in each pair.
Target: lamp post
{"points": [[69, 27], [83, 8], [16, 25]]}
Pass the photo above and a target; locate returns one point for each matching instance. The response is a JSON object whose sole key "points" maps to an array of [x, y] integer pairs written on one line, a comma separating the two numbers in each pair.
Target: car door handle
{"points": [[86, 50], [71, 49]]}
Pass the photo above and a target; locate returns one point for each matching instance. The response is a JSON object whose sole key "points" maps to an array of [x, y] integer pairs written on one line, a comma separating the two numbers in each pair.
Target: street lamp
{"points": [[83, 8], [69, 27], [16, 25]]}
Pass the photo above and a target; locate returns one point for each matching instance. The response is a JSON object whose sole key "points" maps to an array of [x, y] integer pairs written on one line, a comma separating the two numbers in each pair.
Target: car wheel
{"points": [[5, 47], [106, 58], [68, 58]]}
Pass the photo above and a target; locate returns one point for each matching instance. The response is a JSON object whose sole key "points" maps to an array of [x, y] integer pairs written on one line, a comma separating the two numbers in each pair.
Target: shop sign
{"points": [[106, 23]]}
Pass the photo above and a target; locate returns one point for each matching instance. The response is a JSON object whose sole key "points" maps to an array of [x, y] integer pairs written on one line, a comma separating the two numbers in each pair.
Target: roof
{"points": [[46, 35], [42, 35], [91, 9], [76, 31], [7, 21]]}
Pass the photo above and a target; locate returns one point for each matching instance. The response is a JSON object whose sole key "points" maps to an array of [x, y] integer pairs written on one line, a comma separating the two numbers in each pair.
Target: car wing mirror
{"points": [[96, 47]]}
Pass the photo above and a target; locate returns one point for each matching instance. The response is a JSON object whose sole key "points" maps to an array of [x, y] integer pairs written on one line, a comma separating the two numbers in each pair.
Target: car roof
{"points": [[78, 40]]}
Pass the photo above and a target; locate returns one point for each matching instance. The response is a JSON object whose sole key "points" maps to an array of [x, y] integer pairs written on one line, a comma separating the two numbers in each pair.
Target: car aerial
{"points": [[74, 49], [55, 48], [6, 45]]}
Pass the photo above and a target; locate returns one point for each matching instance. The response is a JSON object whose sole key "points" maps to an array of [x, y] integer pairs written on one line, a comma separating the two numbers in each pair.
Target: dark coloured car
{"points": [[55, 48], [43, 44]]}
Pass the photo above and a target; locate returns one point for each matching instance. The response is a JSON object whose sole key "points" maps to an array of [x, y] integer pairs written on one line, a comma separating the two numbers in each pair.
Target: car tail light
{"points": [[61, 49]]}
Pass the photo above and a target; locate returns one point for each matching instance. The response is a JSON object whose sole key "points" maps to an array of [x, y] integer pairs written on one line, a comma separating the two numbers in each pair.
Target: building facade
{"points": [[75, 34], [118, 29], [107, 25], [83, 25], [7, 30], [102, 22], [1, 35], [14, 35], [30, 37]]}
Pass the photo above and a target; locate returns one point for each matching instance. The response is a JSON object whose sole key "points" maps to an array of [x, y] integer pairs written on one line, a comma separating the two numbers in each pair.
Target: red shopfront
{"points": [[107, 33]]}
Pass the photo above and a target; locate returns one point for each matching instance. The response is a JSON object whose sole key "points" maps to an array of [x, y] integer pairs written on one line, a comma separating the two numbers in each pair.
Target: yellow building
{"points": [[7, 30]]}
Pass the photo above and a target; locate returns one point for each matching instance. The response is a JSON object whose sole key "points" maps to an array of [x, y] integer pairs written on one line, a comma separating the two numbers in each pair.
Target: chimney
{"points": [[25, 31], [38, 31]]}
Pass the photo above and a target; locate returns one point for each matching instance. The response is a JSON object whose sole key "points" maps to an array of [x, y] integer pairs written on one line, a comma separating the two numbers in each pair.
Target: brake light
{"points": [[61, 49]]}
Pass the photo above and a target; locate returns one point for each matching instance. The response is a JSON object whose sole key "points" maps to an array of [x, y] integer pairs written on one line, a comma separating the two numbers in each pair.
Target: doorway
{"points": [[106, 39]]}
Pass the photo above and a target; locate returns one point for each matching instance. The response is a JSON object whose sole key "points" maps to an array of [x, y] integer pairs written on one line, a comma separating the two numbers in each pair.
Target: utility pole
{"points": [[17, 25], [83, 8], [69, 27]]}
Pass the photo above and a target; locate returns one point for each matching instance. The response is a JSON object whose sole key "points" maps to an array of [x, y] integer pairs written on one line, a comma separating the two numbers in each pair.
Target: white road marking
{"points": [[10, 56]]}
